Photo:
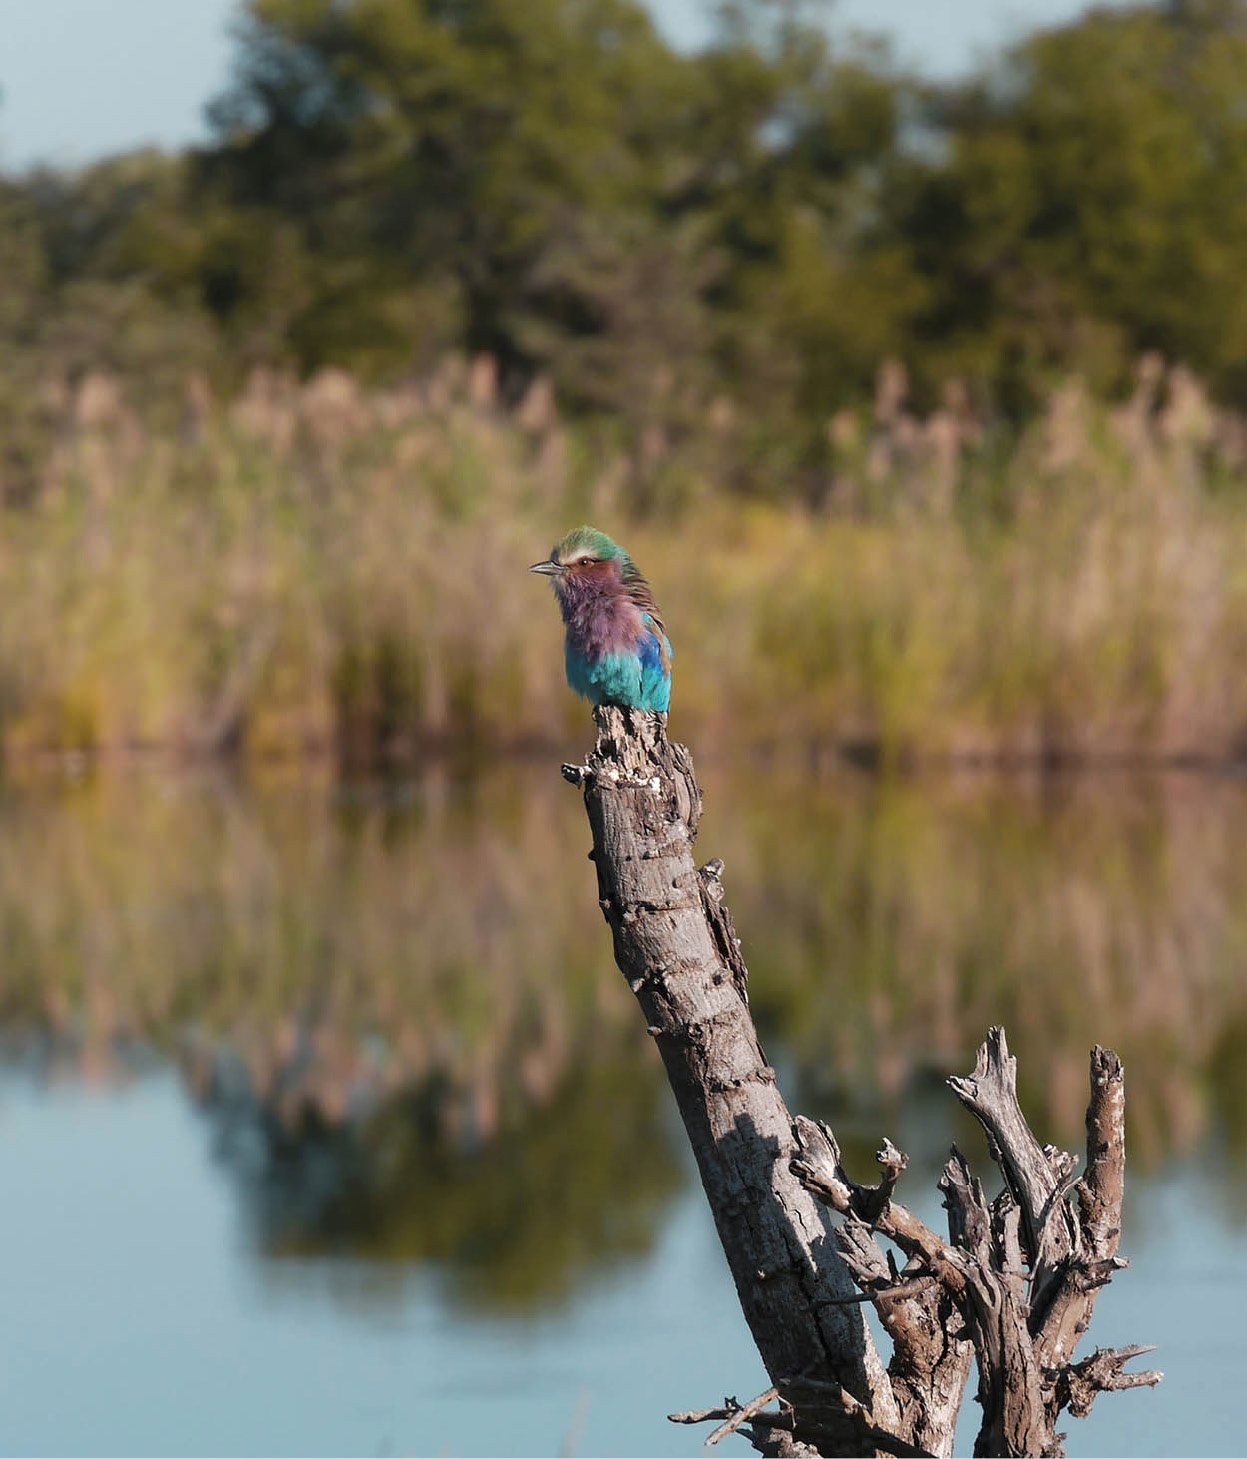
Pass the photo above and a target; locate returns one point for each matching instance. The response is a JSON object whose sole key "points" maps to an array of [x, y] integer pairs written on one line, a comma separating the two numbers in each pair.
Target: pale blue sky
{"points": [[82, 78]]}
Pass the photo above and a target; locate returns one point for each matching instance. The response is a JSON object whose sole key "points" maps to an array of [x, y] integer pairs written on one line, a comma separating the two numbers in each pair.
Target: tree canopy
{"points": [[763, 220]]}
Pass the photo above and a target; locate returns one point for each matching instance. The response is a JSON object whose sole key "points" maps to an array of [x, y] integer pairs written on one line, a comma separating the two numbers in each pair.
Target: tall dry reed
{"points": [[312, 567]]}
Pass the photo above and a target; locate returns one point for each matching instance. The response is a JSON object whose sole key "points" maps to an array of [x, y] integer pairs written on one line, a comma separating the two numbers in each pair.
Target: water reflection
{"points": [[395, 1007], [888, 925], [556, 1198]]}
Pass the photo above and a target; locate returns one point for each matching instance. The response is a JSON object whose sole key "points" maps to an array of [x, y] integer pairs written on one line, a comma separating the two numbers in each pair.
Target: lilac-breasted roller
{"points": [[616, 650]]}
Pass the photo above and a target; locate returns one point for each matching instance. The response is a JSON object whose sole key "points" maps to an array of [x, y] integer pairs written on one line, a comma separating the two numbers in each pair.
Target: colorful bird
{"points": [[616, 651]]}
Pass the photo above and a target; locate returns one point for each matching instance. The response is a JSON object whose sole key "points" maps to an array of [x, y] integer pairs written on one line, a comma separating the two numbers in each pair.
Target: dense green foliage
{"points": [[760, 222]]}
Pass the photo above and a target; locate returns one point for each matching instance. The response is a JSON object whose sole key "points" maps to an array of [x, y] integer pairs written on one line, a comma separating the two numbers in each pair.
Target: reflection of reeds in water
{"points": [[390, 1004], [889, 925], [565, 1190], [401, 1002], [351, 944], [347, 945], [320, 566]]}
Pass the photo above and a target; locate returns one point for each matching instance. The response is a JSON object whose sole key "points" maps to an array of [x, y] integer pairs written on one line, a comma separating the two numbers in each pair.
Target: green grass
{"points": [[320, 569]]}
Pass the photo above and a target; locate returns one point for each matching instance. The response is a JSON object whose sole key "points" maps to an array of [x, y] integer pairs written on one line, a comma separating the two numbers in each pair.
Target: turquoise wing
{"points": [[640, 677]]}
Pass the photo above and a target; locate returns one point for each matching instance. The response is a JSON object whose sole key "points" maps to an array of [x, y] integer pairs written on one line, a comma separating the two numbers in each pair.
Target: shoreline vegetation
{"points": [[326, 568], [875, 375]]}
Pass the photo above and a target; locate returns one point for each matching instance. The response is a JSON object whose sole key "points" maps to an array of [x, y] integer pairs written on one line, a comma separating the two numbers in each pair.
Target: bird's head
{"points": [[584, 558]]}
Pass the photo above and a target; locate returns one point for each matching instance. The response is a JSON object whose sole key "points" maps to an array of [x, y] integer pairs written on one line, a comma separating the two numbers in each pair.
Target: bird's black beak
{"points": [[549, 568]]}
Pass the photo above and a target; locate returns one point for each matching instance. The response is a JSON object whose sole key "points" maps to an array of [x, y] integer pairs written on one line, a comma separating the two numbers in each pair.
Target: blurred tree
{"points": [[1087, 200], [22, 269], [23, 281], [581, 198], [797, 143], [482, 152], [550, 182]]}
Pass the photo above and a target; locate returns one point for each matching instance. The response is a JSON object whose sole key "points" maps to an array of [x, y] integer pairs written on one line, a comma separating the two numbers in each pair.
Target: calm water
{"points": [[326, 1124]]}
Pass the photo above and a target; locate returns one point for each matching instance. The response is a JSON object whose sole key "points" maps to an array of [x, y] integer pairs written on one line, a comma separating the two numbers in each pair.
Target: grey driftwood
{"points": [[1011, 1286]]}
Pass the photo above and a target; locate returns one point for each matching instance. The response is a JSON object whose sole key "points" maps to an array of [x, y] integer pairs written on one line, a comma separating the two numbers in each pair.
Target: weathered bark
{"points": [[1022, 1348], [675, 944], [1013, 1284]]}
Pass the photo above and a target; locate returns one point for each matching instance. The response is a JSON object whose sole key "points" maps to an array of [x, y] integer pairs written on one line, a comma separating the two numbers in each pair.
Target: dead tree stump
{"points": [[1013, 1284]]}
